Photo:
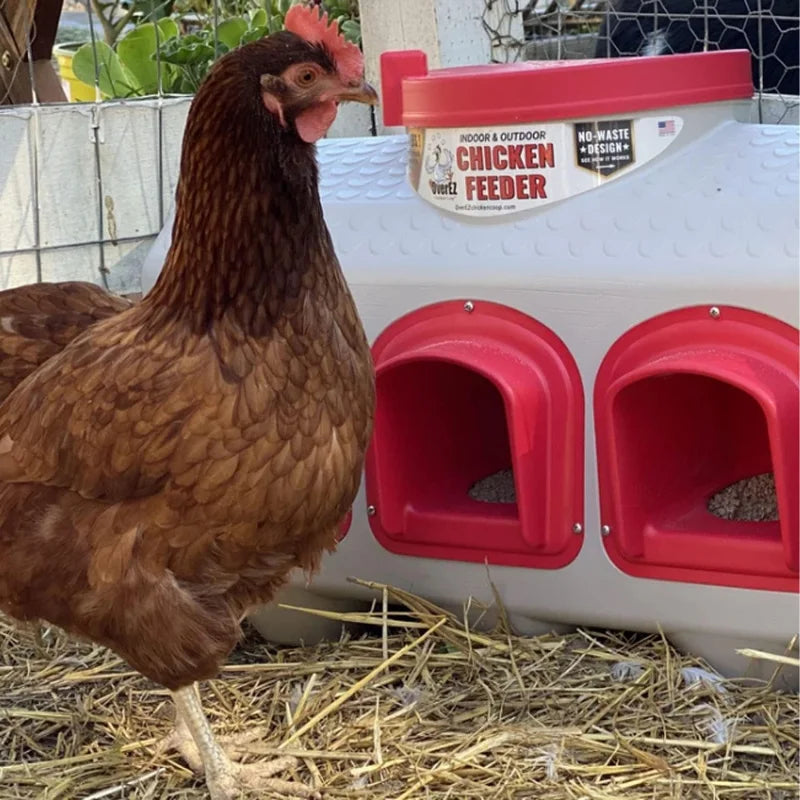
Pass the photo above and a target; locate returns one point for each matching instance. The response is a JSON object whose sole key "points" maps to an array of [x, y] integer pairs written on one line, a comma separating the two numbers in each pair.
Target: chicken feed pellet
{"points": [[495, 488], [751, 499]]}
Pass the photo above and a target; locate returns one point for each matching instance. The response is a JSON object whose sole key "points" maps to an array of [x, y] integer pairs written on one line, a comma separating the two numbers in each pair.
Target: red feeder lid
{"points": [[538, 91]]}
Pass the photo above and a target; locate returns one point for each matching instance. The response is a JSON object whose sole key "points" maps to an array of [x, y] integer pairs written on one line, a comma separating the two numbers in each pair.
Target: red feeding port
{"points": [[689, 407], [465, 396]]}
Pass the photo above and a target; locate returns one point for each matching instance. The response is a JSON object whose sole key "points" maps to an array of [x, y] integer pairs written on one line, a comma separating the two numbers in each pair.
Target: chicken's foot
{"points": [[235, 746], [226, 779], [182, 741]]}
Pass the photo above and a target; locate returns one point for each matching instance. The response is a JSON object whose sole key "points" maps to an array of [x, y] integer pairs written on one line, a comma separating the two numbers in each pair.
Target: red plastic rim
{"points": [[461, 396], [532, 91], [686, 404]]}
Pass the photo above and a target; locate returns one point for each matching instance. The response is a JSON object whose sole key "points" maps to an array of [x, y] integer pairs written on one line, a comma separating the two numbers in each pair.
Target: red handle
{"points": [[395, 66]]}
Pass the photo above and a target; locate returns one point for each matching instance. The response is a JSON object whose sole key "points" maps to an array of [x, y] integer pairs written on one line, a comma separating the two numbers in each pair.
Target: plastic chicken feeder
{"points": [[465, 390], [687, 403]]}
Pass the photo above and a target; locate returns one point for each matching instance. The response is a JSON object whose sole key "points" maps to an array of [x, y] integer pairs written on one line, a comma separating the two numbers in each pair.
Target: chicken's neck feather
{"points": [[249, 232]]}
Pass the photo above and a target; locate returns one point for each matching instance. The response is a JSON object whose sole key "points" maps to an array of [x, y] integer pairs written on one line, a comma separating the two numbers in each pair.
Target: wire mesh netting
{"points": [[572, 29], [86, 185]]}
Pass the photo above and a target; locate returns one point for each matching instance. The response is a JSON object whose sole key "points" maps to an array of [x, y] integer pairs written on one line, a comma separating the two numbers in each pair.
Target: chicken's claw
{"points": [[231, 777], [236, 746], [239, 744], [181, 740], [227, 780]]}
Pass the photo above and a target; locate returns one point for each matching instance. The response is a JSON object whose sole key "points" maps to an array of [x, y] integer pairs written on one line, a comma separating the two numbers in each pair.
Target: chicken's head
{"points": [[299, 74]]}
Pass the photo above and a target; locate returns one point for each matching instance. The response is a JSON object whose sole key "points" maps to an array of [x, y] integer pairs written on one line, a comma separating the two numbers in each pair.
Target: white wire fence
{"points": [[574, 29], [86, 186]]}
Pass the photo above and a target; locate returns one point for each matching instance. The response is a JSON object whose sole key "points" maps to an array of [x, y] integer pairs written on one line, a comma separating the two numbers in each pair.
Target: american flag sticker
{"points": [[666, 127]]}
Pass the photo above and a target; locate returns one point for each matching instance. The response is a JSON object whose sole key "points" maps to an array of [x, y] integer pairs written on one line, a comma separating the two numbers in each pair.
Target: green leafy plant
{"points": [[345, 12], [115, 15], [131, 67], [194, 53]]}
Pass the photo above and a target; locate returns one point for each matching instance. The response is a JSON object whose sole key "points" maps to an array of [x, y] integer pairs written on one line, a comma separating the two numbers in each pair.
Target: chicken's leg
{"points": [[224, 778]]}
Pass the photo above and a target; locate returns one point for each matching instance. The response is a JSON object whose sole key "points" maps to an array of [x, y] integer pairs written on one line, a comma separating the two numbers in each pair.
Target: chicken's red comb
{"points": [[307, 23]]}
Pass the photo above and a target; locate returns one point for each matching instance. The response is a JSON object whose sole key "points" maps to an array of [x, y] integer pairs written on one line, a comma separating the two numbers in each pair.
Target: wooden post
{"points": [[16, 17]]}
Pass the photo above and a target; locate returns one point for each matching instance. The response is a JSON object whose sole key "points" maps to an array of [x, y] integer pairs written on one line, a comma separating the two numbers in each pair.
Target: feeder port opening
{"points": [[696, 416], [476, 453], [447, 430], [683, 439], [697, 484]]}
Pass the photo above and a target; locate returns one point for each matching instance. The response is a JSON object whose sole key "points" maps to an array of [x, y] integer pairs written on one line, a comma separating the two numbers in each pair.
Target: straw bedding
{"points": [[422, 707]]}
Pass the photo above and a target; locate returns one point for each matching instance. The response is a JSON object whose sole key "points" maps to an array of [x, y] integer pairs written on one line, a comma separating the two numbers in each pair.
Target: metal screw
{"points": [[714, 312], [469, 306], [6, 59], [577, 528], [371, 511], [605, 530]]}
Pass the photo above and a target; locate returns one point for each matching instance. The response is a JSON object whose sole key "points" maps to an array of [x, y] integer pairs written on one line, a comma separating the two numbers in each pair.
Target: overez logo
{"points": [[439, 166]]}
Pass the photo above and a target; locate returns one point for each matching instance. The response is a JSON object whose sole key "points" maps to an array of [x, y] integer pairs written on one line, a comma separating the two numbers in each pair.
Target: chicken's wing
{"points": [[39, 320]]}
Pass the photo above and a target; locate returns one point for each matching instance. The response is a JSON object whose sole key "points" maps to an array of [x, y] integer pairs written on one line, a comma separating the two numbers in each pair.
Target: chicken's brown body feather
{"points": [[170, 466], [39, 320]]}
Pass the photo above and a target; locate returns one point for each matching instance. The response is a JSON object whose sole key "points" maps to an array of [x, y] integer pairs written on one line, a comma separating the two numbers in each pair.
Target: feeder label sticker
{"points": [[485, 172], [604, 147]]}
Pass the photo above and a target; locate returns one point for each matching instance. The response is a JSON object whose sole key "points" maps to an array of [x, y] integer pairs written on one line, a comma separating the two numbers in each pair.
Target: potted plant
{"points": [[131, 67], [75, 89], [179, 55]]}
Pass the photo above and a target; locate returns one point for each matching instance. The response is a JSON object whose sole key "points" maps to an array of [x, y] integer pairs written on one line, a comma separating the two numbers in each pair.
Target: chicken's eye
{"points": [[307, 77]]}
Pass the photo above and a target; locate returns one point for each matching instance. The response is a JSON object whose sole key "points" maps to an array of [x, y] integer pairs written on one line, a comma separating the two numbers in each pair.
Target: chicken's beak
{"points": [[362, 93]]}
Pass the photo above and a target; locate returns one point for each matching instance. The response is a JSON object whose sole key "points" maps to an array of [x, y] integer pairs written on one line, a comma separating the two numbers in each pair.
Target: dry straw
{"points": [[423, 707]]}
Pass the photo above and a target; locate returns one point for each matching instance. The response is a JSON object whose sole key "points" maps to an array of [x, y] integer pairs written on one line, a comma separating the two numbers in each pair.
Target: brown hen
{"points": [[169, 467]]}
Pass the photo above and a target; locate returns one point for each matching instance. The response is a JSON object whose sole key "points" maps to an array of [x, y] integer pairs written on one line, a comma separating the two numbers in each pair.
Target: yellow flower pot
{"points": [[77, 91]]}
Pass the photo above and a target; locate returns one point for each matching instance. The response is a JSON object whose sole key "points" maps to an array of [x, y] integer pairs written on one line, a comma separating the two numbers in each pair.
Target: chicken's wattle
{"points": [[313, 123]]}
